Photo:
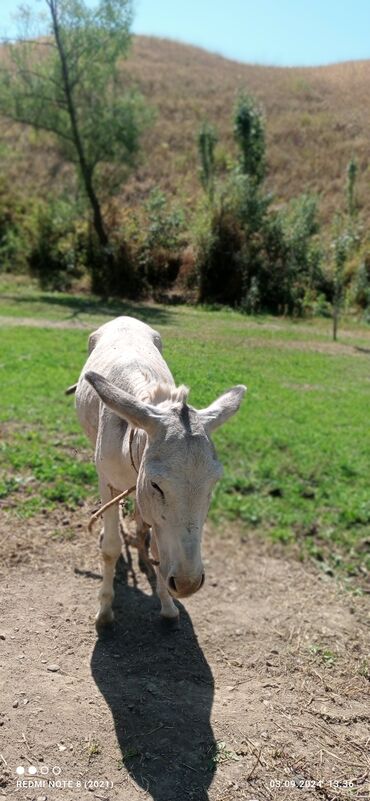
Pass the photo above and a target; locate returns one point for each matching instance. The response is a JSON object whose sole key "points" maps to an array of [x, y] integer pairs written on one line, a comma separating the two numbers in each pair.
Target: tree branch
{"points": [[59, 103], [8, 41], [40, 126], [25, 72]]}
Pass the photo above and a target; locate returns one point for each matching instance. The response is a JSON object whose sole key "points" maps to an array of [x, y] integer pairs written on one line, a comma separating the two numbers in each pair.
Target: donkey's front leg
{"points": [[168, 608], [111, 546]]}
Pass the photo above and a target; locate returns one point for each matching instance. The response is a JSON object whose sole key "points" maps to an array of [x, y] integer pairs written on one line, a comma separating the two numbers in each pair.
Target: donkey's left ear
{"points": [[221, 409]]}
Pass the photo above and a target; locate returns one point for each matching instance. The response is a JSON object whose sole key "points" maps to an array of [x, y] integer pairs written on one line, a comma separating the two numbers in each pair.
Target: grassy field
{"points": [[296, 457]]}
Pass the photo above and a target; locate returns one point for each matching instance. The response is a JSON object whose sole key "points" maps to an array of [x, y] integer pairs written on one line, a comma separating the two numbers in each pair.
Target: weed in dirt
{"points": [[63, 535], [364, 669], [220, 753], [93, 748], [326, 656]]}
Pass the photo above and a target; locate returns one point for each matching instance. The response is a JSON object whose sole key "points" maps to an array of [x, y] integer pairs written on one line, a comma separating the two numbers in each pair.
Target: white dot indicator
{"points": [[20, 770], [32, 770]]}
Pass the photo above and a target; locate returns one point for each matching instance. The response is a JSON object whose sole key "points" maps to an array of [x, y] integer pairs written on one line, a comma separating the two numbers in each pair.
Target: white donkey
{"points": [[145, 433]]}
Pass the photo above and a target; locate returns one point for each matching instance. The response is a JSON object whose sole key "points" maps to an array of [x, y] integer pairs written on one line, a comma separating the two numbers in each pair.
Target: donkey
{"points": [[145, 434]]}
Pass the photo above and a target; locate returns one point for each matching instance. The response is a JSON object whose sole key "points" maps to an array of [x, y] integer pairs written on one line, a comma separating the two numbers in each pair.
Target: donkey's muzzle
{"points": [[182, 587]]}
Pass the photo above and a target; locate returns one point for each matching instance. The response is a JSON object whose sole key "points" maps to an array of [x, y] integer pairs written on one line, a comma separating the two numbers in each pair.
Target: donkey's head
{"points": [[177, 473]]}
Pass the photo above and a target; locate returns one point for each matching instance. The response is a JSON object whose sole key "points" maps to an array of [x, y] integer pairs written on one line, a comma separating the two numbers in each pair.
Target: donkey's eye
{"points": [[155, 486]]}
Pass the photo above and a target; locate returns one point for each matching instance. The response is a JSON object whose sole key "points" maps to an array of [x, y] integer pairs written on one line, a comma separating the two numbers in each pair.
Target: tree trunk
{"points": [[335, 322], [86, 171]]}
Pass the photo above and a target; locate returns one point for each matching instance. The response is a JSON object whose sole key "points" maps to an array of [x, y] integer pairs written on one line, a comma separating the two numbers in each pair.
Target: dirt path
{"points": [[262, 688], [40, 322], [314, 346]]}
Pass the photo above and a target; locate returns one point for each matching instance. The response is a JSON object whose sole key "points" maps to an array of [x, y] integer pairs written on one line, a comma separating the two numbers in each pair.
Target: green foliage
{"points": [[345, 246], [218, 241], [15, 231], [249, 134], [352, 172], [342, 245], [164, 224], [252, 298], [361, 287], [67, 83], [248, 254], [219, 753], [60, 249], [207, 139], [301, 255], [159, 255], [33, 88]]}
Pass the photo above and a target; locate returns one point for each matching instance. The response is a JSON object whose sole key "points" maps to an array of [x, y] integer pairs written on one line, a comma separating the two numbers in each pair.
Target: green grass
{"points": [[296, 456]]}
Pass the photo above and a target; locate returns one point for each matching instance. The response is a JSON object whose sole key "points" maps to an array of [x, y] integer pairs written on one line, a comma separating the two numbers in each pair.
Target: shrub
{"points": [[15, 231], [361, 284], [59, 251], [160, 252], [207, 139], [301, 254], [220, 272], [253, 257], [249, 133]]}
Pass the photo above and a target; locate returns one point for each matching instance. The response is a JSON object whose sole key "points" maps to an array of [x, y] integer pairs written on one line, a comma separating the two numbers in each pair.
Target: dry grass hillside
{"points": [[317, 118]]}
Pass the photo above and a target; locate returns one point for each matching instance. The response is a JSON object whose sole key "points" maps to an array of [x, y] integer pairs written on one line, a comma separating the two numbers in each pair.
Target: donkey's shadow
{"points": [[159, 688]]}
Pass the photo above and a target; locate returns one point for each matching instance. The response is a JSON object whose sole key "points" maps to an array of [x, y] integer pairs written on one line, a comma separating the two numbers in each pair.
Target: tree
{"points": [[207, 139], [352, 170], [340, 247], [64, 79], [346, 242], [249, 133]]}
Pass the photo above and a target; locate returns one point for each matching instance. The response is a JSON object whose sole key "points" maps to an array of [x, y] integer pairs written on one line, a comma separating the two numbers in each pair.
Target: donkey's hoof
{"points": [[169, 624], [104, 619], [170, 613]]}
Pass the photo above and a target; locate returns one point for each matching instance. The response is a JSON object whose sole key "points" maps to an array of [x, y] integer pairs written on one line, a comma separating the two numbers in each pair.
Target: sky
{"points": [[275, 32]]}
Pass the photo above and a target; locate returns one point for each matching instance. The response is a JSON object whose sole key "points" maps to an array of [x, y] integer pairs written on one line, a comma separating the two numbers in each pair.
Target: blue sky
{"points": [[279, 32]]}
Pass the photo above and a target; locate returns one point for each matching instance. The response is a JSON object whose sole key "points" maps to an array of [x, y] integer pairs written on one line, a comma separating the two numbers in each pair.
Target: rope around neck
{"points": [[119, 497], [106, 506]]}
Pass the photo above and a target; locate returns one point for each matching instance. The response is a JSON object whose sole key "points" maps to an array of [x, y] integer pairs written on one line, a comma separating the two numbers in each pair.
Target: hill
{"points": [[316, 119]]}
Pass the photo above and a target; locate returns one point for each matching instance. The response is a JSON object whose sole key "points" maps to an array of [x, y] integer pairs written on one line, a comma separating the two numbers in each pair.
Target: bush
{"points": [[220, 273], [249, 133], [160, 251], [254, 258], [60, 248], [300, 257], [361, 285], [207, 139], [15, 231]]}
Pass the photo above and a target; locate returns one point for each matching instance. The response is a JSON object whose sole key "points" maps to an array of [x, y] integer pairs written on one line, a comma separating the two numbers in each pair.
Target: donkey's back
{"points": [[127, 352]]}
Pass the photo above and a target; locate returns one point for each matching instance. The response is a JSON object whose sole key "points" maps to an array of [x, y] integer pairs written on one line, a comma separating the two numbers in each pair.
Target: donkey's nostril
{"points": [[201, 581], [172, 584]]}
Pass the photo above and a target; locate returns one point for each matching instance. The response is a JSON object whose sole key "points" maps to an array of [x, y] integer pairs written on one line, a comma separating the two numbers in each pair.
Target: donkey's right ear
{"points": [[138, 414], [223, 408]]}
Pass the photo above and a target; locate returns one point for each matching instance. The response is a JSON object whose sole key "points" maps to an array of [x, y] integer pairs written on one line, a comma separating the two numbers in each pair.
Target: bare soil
{"points": [[262, 692]]}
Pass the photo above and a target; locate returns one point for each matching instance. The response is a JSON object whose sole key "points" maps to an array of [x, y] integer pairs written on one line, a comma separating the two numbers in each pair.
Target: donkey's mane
{"points": [[157, 392]]}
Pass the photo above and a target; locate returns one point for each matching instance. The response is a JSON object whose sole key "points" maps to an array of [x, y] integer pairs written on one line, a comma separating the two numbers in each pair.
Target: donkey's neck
{"points": [[154, 393]]}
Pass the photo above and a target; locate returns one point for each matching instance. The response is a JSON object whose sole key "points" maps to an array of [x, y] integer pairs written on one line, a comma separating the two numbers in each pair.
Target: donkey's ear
{"points": [[138, 414], [223, 408]]}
